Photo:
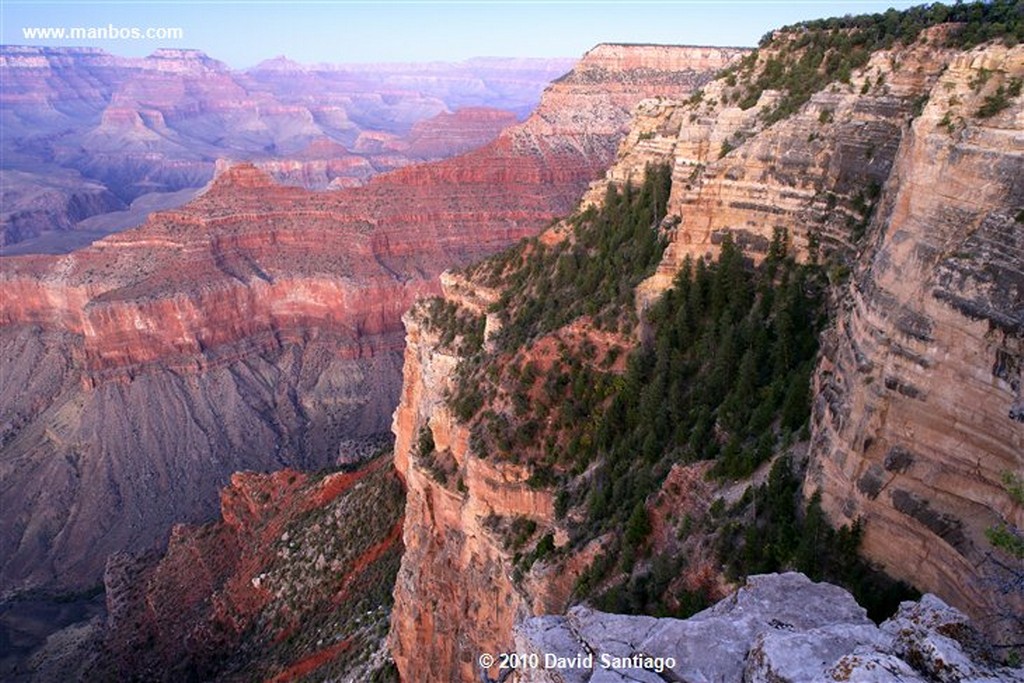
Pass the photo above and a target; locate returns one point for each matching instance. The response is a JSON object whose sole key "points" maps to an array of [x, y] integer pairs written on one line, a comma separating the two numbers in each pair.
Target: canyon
{"points": [[267, 327], [90, 135], [258, 327]]}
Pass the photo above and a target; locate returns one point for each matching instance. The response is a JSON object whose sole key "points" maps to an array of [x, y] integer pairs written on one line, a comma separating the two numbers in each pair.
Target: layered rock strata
{"points": [[894, 174], [153, 364], [918, 416], [456, 595], [137, 127]]}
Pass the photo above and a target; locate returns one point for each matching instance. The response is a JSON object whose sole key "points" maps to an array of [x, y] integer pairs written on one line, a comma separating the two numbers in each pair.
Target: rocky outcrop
{"points": [[816, 173], [917, 404], [459, 591], [452, 544], [611, 79], [778, 628], [282, 586]]}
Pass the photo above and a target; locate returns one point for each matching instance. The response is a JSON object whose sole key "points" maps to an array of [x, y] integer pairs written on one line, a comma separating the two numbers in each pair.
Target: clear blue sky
{"points": [[243, 33]]}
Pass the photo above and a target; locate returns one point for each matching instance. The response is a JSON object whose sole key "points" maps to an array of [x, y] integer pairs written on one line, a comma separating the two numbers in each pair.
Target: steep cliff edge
{"points": [[908, 174], [865, 164], [918, 413]]}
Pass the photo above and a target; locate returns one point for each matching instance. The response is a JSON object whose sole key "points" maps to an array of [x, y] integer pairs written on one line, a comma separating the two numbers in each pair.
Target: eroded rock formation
{"points": [[292, 580], [897, 176], [918, 412]]}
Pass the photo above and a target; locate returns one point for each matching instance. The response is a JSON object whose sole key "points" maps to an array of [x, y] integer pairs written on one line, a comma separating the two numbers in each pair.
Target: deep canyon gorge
{"points": [[821, 238]]}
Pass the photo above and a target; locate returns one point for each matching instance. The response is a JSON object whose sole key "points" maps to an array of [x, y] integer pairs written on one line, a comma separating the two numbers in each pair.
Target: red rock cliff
{"points": [[455, 596]]}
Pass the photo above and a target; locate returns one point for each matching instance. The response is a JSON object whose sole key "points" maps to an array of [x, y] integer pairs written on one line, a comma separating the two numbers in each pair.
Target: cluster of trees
{"points": [[766, 531], [724, 376], [727, 377], [459, 329], [593, 273], [979, 22], [1000, 99]]}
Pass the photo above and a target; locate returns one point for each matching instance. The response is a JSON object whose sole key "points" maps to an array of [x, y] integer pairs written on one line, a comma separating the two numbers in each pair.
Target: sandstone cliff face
{"points": [[455, 594], [459, 592], [816, 173], [918, 412], [610, 80]]}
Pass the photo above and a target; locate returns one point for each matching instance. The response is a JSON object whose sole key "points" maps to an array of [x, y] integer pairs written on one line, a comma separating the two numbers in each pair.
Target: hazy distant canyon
{"points": [[94, 142]]}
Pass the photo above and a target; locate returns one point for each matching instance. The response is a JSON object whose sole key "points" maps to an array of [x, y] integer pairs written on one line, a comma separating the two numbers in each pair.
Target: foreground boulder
{"points": [[778, 628]]}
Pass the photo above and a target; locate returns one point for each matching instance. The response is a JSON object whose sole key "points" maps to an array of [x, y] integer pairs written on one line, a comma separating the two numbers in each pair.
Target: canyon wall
{"points": [[908, 193], [918, 414], [458, 592], [896, 176]]}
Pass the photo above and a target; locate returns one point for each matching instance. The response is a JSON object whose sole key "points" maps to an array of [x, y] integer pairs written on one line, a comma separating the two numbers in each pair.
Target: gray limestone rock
{"points": [[778, 628]]}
